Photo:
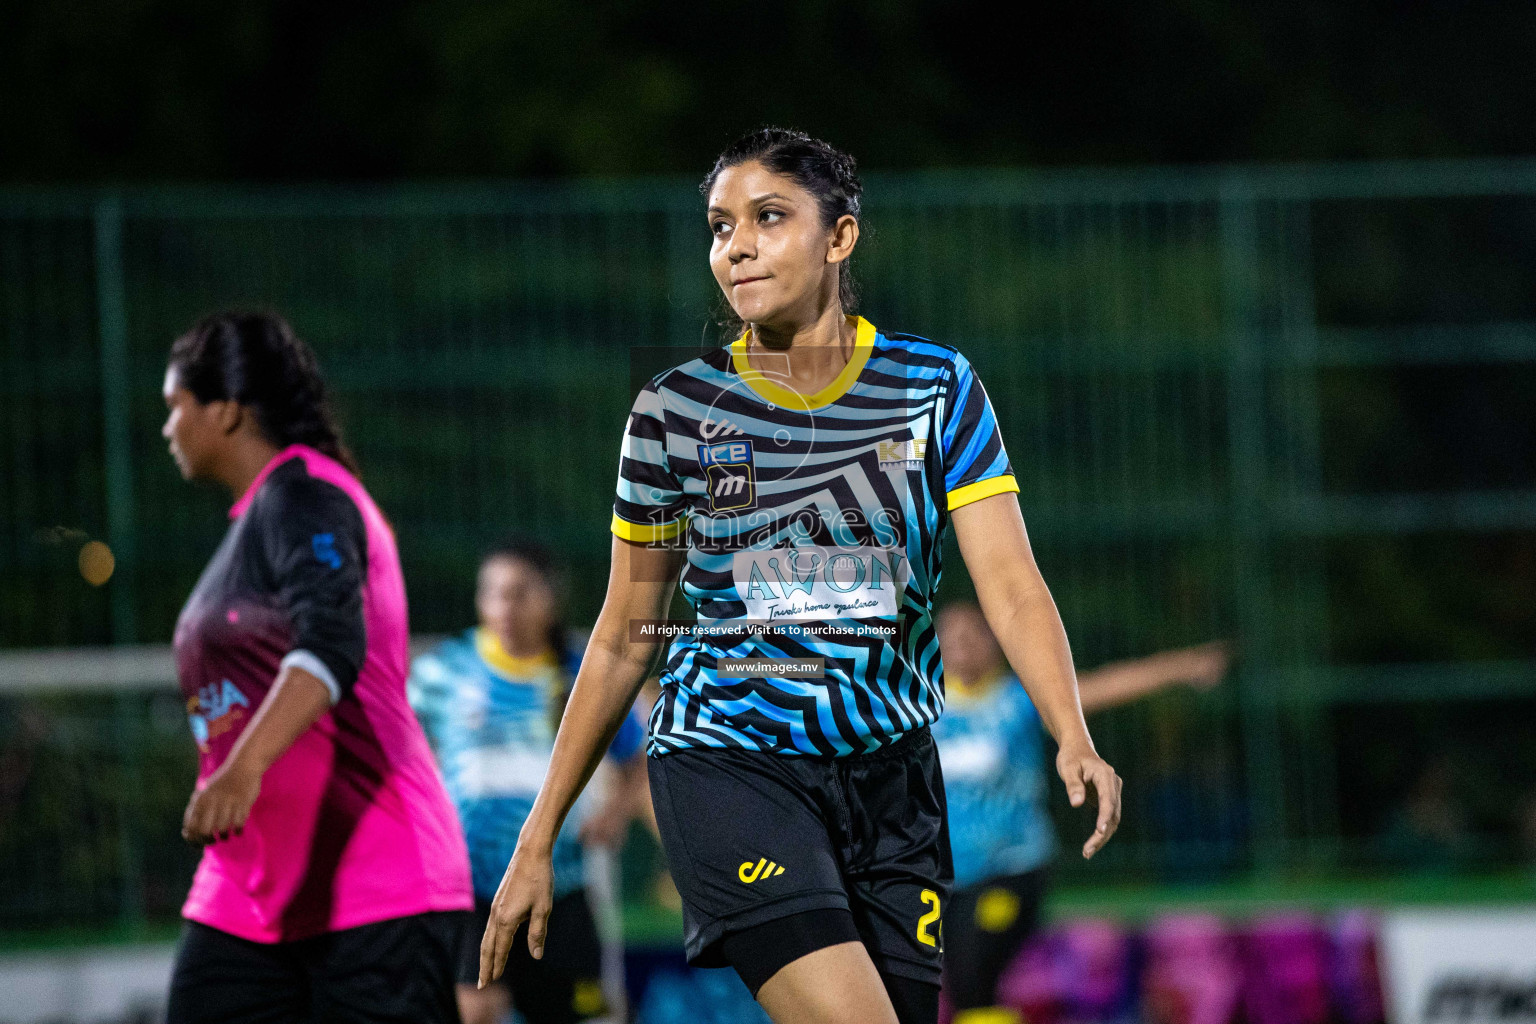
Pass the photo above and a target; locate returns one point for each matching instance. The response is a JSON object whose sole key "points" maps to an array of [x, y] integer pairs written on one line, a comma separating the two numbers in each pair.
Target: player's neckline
{"points": [[778, 395], [503, 662]]}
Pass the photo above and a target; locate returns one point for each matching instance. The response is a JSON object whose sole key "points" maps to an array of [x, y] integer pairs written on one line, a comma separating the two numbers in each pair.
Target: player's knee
{"points": [[482, 1005]]}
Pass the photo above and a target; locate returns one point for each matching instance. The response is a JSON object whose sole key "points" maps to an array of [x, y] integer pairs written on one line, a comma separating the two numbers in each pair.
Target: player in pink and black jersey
{"points": [[334, 882]]}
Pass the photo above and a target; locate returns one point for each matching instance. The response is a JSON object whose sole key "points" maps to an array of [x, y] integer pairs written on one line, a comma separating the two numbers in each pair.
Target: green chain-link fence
{"points": [[1233, 398]]}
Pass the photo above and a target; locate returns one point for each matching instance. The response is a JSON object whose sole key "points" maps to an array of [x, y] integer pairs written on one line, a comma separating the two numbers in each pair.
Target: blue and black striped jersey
{"points": [[813, 526]]}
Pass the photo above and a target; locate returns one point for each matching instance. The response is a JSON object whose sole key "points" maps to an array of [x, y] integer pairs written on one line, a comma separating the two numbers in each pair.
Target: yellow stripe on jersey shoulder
{"points": [[645, 533], [968, 493]]}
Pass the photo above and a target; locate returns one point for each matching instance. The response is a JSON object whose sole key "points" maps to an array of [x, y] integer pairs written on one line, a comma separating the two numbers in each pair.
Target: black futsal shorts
{"points": [[989, 922], [754, 837], [565, 985], [399, 970]]}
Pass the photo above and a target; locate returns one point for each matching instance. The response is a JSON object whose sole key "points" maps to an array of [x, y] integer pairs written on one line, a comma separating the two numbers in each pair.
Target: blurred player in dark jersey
{"points": [[490, 700], [334, 882], [799, 483], [991, 744]]}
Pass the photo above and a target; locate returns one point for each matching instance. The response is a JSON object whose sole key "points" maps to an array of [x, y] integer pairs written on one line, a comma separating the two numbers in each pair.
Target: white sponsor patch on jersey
{"points": [[814, 584], [500, 771], [972, 757]]}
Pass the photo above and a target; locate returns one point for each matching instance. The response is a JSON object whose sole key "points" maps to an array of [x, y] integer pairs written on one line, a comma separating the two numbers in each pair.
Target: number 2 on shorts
{"points": [[924, 936]]}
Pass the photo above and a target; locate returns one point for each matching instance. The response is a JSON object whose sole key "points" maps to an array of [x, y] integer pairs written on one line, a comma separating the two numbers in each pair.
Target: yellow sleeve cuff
{"points": [[981, 489], [646, 533]]}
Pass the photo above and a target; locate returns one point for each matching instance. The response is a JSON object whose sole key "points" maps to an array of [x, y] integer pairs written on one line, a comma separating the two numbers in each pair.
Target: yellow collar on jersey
{"points": [[490, 648], [762, 383], [958, 688]]}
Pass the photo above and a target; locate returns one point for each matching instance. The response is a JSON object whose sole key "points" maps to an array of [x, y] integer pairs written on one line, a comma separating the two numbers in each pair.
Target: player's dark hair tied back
{"points": [[255, 359], [820, 168]]}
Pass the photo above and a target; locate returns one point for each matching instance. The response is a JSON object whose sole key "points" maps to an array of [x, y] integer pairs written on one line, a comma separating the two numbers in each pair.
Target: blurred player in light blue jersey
{"points": [[991, 747], [490, 700]]}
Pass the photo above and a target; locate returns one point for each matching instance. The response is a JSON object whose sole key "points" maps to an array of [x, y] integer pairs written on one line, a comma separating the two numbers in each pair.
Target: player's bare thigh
{"points": [[833, 985]]}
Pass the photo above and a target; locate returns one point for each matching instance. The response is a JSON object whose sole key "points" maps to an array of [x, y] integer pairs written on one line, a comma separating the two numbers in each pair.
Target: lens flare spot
{"points": [[97, 563]]}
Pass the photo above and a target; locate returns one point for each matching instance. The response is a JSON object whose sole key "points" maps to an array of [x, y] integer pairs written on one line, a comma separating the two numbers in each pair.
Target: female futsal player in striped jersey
{"points": [[801, 480]]}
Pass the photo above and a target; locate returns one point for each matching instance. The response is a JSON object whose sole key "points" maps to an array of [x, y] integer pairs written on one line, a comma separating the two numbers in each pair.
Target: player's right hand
{"points": [[1080, 767], [220, 808], [1206, 665], [526, 893]]}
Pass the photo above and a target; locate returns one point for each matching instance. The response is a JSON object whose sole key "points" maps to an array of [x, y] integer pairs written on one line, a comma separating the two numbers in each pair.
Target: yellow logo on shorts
{"points": [[764, 868]]}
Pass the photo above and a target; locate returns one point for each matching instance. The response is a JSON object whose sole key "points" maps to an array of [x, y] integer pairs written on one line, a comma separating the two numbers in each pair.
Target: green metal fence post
{"points": [[1249, 523], [686, 270], [1306, 631], [116, 390], [112, 327]]}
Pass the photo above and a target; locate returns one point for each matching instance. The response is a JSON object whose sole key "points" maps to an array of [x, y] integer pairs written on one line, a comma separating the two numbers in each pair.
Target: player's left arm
{"points": [[315, 545], [1122, 682], [1019, 609], [621, 805], [294, 703], [622, 802]]}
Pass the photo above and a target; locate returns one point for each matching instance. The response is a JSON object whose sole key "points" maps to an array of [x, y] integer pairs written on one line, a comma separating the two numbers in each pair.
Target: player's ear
{"points": [[845, 235], [228, 415]]}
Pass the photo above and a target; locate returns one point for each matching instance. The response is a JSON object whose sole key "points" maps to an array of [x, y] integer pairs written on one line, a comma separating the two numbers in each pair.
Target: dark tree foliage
{"points": [[276, 89]]}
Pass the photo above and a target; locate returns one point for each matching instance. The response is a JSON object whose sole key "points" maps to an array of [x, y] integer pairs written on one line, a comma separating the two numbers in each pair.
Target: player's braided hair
{"points": [[820, 168], [255, 359]]}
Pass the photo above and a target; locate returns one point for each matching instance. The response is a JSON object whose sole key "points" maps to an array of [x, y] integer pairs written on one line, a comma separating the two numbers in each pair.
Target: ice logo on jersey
{"points": [[729, 475], [813, 584], [215, 710]]}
